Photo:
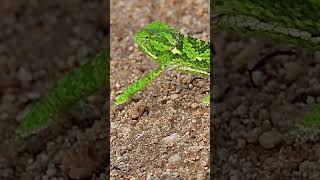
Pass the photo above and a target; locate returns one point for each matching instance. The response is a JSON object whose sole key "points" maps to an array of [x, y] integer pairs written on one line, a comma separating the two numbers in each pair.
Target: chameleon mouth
{"points": [[150, 54], [144, 47]]}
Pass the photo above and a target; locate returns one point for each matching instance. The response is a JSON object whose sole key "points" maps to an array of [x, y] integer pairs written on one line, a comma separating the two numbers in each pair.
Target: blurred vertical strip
{"points": [[292, 22], [214, 164], [107, 108]]}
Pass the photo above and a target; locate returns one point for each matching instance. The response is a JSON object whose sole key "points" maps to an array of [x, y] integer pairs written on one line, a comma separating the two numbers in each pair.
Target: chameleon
{"points": [[172, 50]]}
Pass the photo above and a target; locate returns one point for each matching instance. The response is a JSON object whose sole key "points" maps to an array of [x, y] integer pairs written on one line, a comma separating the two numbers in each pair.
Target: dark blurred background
{"points": [[262, 90], [40, 42]]}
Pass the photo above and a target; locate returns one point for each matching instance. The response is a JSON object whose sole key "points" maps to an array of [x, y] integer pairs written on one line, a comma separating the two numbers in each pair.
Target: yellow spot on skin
{"points": [[175, 51], [199, 58], [150, 54], [194, 70]]}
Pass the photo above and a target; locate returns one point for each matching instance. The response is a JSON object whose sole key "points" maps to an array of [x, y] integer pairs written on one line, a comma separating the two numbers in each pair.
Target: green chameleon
{"points": [[171, 49]]}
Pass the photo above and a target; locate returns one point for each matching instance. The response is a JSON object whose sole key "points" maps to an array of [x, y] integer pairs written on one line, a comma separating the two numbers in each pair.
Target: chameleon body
{"points": [[171, 49]]}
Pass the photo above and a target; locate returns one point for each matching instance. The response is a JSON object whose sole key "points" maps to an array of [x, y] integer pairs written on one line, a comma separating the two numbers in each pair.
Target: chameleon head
{"points": [[157, 39]]}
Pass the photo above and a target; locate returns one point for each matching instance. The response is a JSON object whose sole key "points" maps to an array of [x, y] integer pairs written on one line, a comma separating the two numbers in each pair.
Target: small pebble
{"points": [[24, 75], [45, 177], [234, 177], [51, 171], [174, 96], [137, 111], [118, 86], [270, 139], [310, 100], [241, 143], [30, 161], [258, 77], [174, 158], [316, 149], [241, 110], [33, 95], [317, 56], [194, 105], [171, 138]]}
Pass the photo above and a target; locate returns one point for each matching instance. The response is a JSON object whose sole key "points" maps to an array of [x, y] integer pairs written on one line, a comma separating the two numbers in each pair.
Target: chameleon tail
{"points": [[139, 85]]}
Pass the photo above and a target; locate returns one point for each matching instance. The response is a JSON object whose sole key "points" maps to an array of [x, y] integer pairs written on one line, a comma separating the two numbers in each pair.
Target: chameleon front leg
{"points": [[206, 100], [139, 85]]}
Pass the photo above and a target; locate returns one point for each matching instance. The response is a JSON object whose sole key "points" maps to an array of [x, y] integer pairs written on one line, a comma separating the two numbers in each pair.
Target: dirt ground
{"points": [[263, 90], [163, 133], [40, 41]]}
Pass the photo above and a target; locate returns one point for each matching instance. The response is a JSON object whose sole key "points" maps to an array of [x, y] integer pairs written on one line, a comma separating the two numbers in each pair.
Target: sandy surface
{"points": [[164, 131]]}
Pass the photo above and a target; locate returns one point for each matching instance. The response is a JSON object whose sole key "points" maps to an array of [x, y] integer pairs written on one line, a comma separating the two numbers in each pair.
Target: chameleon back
{"points": [[166, 45]]}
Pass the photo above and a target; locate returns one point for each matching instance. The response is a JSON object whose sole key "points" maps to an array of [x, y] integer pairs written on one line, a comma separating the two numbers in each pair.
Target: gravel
{"points": [[137, 111], [171, 138], [174, 159], [270, 139], [175, 118]]}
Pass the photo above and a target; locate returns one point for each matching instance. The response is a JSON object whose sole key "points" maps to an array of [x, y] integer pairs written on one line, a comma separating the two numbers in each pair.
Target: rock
{"points": [[118, 85], [22, 114], [45, 177], [234, 175], [241, 110], [43, 158], [137, 111], [241, 143], [317, 56], [81, 161], [316, 149], [266, 125], [293, 70], [84, 114], [51, 171], [174, 158], [77, 165], [252, 136], [258, 77], [194, 105], [270, 139], [310, 100], [24, 75], [33, 95], [194, 148], [171, 139], [174, 96]]}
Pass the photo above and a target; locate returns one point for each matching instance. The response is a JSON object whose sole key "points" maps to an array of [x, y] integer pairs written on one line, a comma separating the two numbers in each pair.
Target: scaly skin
{"points": [[295, 22], [171, 49]]}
